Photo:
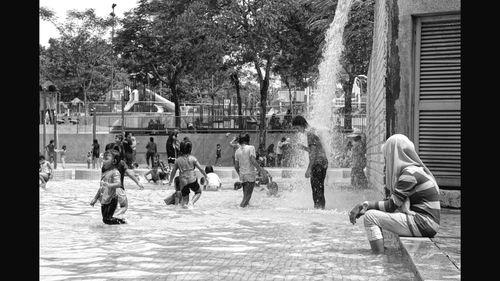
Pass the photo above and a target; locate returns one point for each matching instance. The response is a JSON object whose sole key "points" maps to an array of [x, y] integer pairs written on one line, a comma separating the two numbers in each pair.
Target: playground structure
{"points": [[147, 112]]}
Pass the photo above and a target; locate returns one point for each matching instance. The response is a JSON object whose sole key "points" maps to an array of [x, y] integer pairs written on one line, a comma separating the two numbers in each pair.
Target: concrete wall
{"points": [[203, 145], [390, 106]]}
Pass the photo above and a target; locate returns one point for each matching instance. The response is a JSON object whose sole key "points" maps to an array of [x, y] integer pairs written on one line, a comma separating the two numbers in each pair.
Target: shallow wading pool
{"points": [[276, 238]]}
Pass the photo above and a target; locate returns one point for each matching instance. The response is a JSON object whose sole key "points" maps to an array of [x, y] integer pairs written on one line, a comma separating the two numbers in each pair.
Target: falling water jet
{"points": [[321, 114]]}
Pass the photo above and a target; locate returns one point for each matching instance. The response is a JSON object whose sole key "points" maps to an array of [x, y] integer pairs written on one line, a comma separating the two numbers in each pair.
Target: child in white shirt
{"points": [[213, 181]]}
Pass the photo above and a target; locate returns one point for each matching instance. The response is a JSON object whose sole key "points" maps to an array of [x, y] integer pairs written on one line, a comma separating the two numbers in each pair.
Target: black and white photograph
{"points": [[249, 140]]}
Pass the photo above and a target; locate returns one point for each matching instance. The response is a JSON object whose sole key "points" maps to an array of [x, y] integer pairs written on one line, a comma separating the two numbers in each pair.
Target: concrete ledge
{"points": [[222, 173], [427, 261], [87, 175], [332, 175], [62, 175]]}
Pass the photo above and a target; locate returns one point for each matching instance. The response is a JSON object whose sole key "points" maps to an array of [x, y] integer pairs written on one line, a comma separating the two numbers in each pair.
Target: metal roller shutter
{"points": [[438, 92]]}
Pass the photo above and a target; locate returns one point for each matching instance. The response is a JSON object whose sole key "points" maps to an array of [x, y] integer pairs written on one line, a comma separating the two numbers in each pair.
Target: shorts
{"points": [[122, 197], [194, 186], [45, 176], [171, 160]]}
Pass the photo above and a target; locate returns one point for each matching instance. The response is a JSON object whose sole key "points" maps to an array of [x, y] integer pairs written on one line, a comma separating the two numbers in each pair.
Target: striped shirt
{"points": [[414, 184]]}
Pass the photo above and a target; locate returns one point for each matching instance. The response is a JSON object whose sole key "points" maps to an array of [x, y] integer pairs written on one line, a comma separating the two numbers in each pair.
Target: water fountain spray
{"points": [[321, 116]]}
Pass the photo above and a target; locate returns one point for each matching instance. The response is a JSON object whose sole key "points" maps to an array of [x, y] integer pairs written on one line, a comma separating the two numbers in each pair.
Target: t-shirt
{"points": [[95, 149], [151, 147], [51, 148], [278, 148], [213, 179], [248, 173], [170, 148], [107, 193], [423, 194], [316, 148], [127, 146]]}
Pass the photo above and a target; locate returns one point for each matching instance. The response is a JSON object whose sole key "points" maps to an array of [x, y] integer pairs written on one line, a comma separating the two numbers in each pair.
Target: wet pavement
{"points": [[276, 238]]}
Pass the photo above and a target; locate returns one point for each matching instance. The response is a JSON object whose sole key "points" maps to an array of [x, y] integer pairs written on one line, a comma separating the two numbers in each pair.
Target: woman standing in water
{"points": [[318, 163], [413, 208]]}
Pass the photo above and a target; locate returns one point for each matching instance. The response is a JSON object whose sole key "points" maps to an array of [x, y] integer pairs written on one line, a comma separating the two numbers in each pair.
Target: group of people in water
{"points": [[411, 206]]}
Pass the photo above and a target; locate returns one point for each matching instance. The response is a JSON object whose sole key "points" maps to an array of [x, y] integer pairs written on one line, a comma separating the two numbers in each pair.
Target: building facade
{"points": [[414, 85]]}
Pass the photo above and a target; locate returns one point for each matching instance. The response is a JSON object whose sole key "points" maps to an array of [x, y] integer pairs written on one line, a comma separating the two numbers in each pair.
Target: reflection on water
{"points": [[274, 238]]}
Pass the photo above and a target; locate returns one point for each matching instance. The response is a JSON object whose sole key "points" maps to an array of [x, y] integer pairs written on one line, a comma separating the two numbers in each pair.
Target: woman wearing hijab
{"points": [[412, 207]]}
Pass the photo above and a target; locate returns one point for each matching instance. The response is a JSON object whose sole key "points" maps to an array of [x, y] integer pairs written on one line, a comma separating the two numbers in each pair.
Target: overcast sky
{"points": [[60, 7]]}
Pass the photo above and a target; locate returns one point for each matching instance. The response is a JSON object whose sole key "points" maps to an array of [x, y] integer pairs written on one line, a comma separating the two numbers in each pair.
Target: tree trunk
{"points": [[236, 82], [263, 109], [175, 98], [348, 105]]}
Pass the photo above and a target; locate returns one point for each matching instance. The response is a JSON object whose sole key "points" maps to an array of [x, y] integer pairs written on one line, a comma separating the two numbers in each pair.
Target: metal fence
{"points": [[162, 123]]}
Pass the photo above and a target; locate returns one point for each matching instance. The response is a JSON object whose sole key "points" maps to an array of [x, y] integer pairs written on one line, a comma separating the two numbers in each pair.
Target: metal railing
{"points": [[162, 123]]}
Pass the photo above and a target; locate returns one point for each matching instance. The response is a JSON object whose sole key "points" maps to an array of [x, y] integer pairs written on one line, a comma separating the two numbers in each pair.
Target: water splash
{"points": [[321, 115]]}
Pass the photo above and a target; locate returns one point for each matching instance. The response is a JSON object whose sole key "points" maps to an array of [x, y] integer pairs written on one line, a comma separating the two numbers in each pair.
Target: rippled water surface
{"points": [[276, 238]]}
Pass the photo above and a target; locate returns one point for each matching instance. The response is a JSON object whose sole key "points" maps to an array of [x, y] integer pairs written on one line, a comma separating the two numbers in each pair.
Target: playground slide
{"points": [[161, 103]]}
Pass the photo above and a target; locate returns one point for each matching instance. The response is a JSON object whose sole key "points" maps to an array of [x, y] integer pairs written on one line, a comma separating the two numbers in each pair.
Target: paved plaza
{"points": [[276, 238]]}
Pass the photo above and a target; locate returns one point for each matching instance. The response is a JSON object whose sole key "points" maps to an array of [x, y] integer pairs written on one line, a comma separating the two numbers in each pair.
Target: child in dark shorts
{"points": [[106, 194], [176, 197], [186, 163]]}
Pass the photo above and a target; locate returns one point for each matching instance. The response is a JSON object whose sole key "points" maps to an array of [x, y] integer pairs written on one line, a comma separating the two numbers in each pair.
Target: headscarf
{"points": [[399, 153]]}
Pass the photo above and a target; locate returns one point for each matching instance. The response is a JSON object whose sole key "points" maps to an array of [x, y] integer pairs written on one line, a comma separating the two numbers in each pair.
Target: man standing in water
{"points": [[246, 165], [318, 163]]}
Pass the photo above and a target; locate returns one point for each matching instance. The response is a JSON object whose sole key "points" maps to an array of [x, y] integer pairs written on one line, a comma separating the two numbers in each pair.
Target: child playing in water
{"points": [[213, 181], [247, 166], [106, 194], [62, 155], [89, 159], [45, 171], [157, 172], [186, 163], [176, 197]]}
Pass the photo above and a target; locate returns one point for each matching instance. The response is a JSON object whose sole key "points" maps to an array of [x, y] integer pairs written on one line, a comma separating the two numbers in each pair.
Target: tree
{"points": [[80, 58], [358, 38], [298, 58], [169, 38], [256, 28]]}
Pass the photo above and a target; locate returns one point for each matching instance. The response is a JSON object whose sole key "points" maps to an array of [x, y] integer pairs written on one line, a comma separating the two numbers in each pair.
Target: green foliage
{"points": [[358, 38], [173, 39], [298, 55], [79, 61]]}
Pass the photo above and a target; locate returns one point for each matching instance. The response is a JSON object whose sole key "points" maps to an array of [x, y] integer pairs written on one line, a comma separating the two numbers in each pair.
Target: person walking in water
{"points": [[358, 178], [50, 148], [95, 148], [186, 163], [318, 163], [412, 207], [106, 194], [218, 154], [246, 166], [171, 148]]}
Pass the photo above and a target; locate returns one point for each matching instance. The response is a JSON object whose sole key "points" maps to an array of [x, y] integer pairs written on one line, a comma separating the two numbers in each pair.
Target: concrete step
{"points": [[427, 261]]}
